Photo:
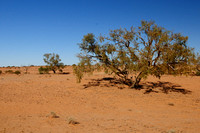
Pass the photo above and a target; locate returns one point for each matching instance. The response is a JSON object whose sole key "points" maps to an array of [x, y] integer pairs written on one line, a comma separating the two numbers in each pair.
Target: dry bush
{"points": [[43, 70], [9, 71], [17, 72]]}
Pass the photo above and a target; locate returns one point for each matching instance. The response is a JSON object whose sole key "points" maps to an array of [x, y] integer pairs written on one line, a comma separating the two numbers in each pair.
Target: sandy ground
{"points": [[34, 103]]}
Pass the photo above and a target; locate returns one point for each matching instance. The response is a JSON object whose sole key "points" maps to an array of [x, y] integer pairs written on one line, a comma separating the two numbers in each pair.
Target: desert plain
{"points": [[56, 103]]}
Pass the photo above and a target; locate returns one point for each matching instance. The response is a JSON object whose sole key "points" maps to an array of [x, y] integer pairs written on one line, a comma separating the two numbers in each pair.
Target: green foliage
{"points": [[198, 63], [9, 71], [43, 70], [13, 72], [198, 66], [17, 72], [78, 72], [53, 62], [145, 50], [198, 73]]}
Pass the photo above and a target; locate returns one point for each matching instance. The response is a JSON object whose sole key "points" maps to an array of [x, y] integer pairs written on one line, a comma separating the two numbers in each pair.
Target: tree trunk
{"points": [[128, 82], [137, 81], [54, 71]]}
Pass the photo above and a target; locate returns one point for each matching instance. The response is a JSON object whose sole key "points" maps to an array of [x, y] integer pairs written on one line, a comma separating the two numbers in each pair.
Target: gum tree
{"points": [[53, 62], [134, 54]]}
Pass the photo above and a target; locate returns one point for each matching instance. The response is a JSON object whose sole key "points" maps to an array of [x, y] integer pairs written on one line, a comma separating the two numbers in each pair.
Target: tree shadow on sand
{"points": [[65, 73], [164, 87], [148, 87], [104, 82]]}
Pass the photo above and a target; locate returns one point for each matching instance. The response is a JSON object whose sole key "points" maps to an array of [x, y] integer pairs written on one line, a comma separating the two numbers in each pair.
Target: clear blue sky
{"points": [[31, 28]]}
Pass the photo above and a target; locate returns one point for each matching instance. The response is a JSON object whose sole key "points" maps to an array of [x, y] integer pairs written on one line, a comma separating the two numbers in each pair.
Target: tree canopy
{"points": [[132, 55], [53, 62]]}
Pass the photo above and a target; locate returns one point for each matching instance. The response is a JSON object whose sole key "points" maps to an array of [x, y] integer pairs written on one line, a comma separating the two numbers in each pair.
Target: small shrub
{"points": [[60, 70], [9, 71], [198, 73], [43, 70], [0, 72], [17, 72], [53, 115], [72, 121], [26, 70]]}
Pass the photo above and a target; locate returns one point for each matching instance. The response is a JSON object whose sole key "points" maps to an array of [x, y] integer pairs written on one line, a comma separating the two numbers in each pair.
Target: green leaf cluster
{"points": [[43, 70], [53, 62]]}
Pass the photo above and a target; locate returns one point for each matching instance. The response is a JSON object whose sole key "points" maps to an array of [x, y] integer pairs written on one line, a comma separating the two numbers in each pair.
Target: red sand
{"points": [[27, 100]]}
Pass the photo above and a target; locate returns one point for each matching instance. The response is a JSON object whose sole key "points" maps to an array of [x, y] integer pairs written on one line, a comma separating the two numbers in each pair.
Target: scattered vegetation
{"points": [[13, 72], [17, 72], [198, 66], [142, 51], [53, 62], [72, 121], [43, 70], [198, 73], [53, 115], [26, 69], [78, 72], [9, 71]]}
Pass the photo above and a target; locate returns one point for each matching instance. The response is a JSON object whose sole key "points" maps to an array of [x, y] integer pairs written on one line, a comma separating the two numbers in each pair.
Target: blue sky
{"points": [[31, 28]]}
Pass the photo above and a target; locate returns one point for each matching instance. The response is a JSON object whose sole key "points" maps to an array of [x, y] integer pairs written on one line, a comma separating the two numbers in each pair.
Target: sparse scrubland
{"points": [[159, 64]]}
